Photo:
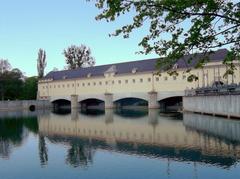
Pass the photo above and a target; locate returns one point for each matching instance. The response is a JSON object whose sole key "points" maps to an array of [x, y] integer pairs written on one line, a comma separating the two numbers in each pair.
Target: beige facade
{"points": [[135, 84]]}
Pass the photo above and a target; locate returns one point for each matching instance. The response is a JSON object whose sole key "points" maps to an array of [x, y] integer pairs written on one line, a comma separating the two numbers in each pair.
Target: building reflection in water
{"points": [[151, 135], [191, 138]]}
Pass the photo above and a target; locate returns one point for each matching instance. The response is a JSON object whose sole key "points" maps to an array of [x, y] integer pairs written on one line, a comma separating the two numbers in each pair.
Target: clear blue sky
{"points": [[27, 25]]}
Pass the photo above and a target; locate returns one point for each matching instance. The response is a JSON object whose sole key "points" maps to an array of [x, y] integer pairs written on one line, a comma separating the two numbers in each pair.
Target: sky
{"points": [[27, 25]]}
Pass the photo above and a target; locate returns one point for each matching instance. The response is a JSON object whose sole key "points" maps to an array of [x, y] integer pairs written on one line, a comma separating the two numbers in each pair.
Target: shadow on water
{"points": [[62, 111], [92, 112], [131, 113]]}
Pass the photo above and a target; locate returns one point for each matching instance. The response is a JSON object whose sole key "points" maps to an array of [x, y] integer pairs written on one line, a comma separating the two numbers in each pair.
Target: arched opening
{"points": [[131, 103], [171, 104], [61, 106], [131, 107], [32, 108], [92, 104]]}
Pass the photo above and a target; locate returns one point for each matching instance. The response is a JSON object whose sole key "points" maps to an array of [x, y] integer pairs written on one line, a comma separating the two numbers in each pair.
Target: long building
{"points": [[136, 79]]}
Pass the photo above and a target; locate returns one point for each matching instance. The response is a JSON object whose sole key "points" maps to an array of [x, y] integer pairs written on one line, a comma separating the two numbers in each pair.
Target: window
{"points": [[63, 86], [157, 78], [112, 82], [43, 87], [126, 81], [72, 85], [94, 83], [149, 79], [106, 82], [174, 77], [54, 86], [68, 85], [119, 81], [165, 78], [88, 84], [133, 80], [78, 84], [50, 86], [58, 86], [141, 80], [83, 84], [184, 77], [100, 83]]}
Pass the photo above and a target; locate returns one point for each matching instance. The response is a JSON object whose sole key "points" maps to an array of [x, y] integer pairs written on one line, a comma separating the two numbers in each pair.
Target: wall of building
{"points": [[135, 82], [224, 105]]}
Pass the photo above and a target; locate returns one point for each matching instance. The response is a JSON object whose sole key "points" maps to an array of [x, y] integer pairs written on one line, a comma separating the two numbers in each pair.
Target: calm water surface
{"points": [[118, 144]]}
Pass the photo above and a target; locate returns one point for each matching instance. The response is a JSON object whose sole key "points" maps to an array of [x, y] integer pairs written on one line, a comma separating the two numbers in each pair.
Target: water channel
{"points": [[124, 143]]}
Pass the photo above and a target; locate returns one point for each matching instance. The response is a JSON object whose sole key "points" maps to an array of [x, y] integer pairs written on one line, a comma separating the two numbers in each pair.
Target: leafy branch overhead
{"points": [[78, 56], [179, 27]]}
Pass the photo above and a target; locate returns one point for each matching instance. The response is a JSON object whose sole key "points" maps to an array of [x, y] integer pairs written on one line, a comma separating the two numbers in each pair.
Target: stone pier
{"points": [[152, 100], [109, 101], [74, 102]]}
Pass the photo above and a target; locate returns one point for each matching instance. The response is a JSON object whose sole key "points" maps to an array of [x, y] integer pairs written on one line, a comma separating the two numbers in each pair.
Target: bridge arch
{"points": [[171, 103], [142, 96], [87, 97], [53, 99], [61, 103], [130, 101], [92, 103]]}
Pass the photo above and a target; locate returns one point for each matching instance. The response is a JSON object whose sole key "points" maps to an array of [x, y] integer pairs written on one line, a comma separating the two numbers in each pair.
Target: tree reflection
{"points": [[79, 155], [4, 149], [13, 131], [43, 152]]}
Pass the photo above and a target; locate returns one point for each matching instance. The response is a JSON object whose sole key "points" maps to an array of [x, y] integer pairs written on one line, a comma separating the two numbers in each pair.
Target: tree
{"points": [[29, 91], [41, 62], [11, 84], [4, 65], [180, 27], [78, 56]]}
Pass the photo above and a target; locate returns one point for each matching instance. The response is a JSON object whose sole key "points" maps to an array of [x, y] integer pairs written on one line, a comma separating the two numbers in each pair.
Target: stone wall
{"points": [[222, 105], [24, 104]]}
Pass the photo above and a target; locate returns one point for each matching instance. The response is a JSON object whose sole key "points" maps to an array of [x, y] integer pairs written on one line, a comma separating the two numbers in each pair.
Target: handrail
{"points": [[230, 89]]}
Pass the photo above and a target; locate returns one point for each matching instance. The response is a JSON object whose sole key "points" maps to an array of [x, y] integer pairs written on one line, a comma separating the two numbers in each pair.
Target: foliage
{"points": [[14, 86], [11, 84], [179, 27], [4, 65], [78, 56], [29, 90], [41, 62]]}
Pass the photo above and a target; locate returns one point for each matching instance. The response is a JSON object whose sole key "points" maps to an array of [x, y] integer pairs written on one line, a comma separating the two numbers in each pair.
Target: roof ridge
{"points": [[128, 62]]}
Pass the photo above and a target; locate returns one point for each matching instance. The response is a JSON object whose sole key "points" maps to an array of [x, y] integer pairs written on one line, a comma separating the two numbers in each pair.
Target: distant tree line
{"points": [[13, 84]]}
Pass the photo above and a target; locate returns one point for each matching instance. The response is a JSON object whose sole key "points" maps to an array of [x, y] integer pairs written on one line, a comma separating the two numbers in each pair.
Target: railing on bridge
{"points": [[221, 89]]}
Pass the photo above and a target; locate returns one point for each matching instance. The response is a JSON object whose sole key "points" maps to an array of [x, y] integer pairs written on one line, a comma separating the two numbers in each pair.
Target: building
{"points": [[137, 79]]}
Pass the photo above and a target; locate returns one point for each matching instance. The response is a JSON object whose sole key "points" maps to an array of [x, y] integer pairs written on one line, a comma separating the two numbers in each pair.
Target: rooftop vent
{"points": [[89, 75], [134, 70], [112, 69]]}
